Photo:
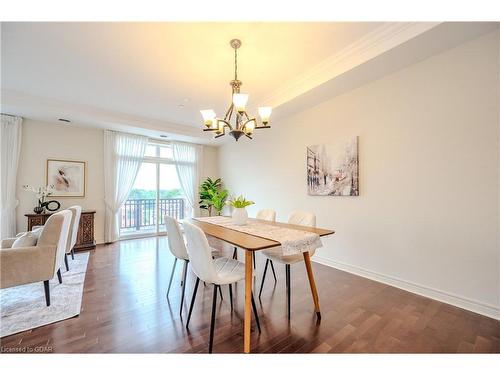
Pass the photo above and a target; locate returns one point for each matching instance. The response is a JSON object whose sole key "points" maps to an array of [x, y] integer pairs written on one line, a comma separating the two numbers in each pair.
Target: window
{"points": [[165, 152], [151, 151]]}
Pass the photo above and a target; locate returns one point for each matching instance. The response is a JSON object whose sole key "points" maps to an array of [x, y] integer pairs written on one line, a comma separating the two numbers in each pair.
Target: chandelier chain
{"points": [[235, 64]]}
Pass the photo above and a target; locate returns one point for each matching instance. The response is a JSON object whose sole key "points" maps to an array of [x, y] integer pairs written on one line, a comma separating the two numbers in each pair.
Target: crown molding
{"points": [[382, 39]]}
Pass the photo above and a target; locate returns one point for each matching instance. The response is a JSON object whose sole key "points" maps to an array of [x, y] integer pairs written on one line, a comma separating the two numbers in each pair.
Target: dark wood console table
{"points": [[85, 239]]}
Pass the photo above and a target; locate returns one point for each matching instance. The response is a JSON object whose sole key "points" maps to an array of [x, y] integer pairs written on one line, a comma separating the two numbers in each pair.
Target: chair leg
{"points": [[171, 276], [288, 289], [66, 261], [192, 301], [263, 277], [253, 255], [220, 289], [255, 313], [73, 253], [274, 273], [184, 275], [59, 276], [47, 292], [231, 296], [235, 253], [212, 322], [220, 294]]}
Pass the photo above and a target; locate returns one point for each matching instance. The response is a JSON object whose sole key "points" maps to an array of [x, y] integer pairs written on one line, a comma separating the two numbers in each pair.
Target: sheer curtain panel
{"points": [[188, 163], [10, 142], [123, 154]]}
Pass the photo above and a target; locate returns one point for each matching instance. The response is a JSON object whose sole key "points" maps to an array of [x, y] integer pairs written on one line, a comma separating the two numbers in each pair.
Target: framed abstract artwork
{"points": [[67, 177], [333, 169]]}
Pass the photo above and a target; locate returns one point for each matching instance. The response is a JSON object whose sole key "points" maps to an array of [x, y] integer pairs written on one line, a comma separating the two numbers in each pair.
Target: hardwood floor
{"points": [[124, 309]]}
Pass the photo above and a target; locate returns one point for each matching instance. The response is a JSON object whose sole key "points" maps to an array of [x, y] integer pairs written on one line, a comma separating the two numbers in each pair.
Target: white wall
{"points": [[210, 162], [41, 141], [427, 217]]}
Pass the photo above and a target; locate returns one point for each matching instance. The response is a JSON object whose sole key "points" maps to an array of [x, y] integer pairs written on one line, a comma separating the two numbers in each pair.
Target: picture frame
{"points": [[333, 169], [67, 176]]}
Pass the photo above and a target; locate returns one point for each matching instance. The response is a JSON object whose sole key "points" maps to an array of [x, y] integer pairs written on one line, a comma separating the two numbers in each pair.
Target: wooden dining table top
{"points": [[250, 241]]}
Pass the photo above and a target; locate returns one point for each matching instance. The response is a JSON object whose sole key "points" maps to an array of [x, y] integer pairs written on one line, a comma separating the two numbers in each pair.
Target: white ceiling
{"points": [[149, 69], [154, 78]]}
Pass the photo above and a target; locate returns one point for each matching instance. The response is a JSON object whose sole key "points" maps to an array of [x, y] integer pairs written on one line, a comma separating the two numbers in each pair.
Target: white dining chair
{"points": [[178, 249], [275, 254], [218, 271], [264, 214]]}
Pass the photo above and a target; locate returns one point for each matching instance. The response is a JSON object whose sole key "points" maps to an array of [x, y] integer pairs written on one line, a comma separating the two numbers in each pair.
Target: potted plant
{"points": [[240, 214], [207, 189]]}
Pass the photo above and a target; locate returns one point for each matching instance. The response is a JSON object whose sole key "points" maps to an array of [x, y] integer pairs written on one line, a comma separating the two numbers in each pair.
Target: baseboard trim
{"points": [[439, 295]]}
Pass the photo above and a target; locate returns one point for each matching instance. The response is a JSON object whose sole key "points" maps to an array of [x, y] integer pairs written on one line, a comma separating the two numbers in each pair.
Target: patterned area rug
{"points": [[23, 307]]}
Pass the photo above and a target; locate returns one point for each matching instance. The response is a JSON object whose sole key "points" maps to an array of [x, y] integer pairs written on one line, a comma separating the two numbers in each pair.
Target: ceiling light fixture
{"points": [[243, 124]]}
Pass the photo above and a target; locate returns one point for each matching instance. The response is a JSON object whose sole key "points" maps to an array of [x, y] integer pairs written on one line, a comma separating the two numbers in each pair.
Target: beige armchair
{"points": [[73, 233], [7, 242], [24, 265]]}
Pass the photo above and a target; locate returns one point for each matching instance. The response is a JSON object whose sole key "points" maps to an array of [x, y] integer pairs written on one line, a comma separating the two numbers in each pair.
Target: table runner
{"points": [[293, 241]]}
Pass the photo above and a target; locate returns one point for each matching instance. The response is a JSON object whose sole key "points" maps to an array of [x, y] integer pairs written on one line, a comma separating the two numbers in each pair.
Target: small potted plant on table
{"points": [[240, 215]]}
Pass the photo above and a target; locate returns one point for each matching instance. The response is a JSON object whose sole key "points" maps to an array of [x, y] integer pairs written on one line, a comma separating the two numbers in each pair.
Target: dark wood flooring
{"points": [[124, 310]]}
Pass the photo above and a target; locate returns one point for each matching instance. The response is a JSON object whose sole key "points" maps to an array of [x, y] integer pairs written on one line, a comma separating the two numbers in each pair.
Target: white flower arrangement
{"points": [[40, 192]]}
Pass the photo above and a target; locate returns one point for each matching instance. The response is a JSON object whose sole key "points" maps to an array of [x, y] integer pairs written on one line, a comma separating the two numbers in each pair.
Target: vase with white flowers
{"points": [[240, 215], [41, 192]]}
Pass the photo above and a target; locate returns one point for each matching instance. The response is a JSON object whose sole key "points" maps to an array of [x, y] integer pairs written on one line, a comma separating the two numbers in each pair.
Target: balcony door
{"points": [[156, 192]]}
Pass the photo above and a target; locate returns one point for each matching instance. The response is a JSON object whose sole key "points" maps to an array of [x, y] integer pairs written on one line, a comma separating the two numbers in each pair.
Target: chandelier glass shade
{"points": [[236, 119]]}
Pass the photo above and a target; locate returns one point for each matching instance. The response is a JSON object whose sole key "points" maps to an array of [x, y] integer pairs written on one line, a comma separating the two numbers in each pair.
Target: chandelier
{"points": [[236, 119]]}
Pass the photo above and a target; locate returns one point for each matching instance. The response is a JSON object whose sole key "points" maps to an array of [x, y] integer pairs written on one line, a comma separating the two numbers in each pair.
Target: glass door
{"points": [[139, 212], [171, 197], [156, 193]]}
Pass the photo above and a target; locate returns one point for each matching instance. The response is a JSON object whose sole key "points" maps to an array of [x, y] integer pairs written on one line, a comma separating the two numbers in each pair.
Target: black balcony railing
{"points": [[140, 213]]}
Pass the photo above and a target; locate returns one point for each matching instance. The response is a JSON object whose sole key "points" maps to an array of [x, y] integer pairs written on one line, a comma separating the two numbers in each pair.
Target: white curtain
{"points": [[10, 142], [188, 162], [123, 154]]}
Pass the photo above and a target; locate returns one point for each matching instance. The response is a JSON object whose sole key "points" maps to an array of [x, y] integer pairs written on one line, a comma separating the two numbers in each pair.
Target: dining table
{"points": [[251, 243]]}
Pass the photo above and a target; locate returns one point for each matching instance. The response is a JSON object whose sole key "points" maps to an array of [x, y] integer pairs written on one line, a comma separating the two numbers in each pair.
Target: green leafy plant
{"points": [[240, 202], [207, 190], [218, 200]]}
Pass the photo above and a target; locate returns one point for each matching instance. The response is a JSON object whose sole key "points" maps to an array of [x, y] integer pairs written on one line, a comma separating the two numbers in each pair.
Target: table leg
{"points": [[312, 284], [248, 301]]}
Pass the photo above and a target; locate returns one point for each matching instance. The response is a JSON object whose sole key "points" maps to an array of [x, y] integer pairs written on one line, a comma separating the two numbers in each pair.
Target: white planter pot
{"points": [[240, 216]]}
